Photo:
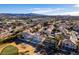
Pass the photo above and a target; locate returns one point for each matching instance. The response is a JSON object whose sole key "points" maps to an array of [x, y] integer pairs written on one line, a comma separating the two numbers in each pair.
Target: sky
{"points": [[47, 9]]}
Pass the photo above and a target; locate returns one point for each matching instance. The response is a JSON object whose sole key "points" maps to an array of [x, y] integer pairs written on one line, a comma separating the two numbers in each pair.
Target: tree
{"points": [[59, 39], [50, 46]]}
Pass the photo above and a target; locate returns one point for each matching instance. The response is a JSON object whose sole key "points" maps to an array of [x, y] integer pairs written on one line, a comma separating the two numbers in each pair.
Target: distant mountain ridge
{"points": [[29, 14]]}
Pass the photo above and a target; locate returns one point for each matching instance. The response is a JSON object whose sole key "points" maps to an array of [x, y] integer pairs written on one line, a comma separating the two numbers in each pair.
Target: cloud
{"points": [[55, 11], [74, 13], [77, 5], [44, 10]]}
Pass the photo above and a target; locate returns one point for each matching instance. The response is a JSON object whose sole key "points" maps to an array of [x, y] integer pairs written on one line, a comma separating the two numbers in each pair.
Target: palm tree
{"points": [[59, 39], [77, 47]]}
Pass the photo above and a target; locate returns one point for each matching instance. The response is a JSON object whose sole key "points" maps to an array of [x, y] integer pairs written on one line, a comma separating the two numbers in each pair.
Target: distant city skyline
{"points": [[47, 9]]}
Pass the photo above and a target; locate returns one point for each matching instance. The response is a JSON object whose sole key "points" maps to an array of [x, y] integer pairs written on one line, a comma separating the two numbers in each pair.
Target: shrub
{"points": [[9, 50]]}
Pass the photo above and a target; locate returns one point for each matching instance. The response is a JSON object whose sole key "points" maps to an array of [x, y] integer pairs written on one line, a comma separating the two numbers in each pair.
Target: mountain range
{"points": [[29, 14]]}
